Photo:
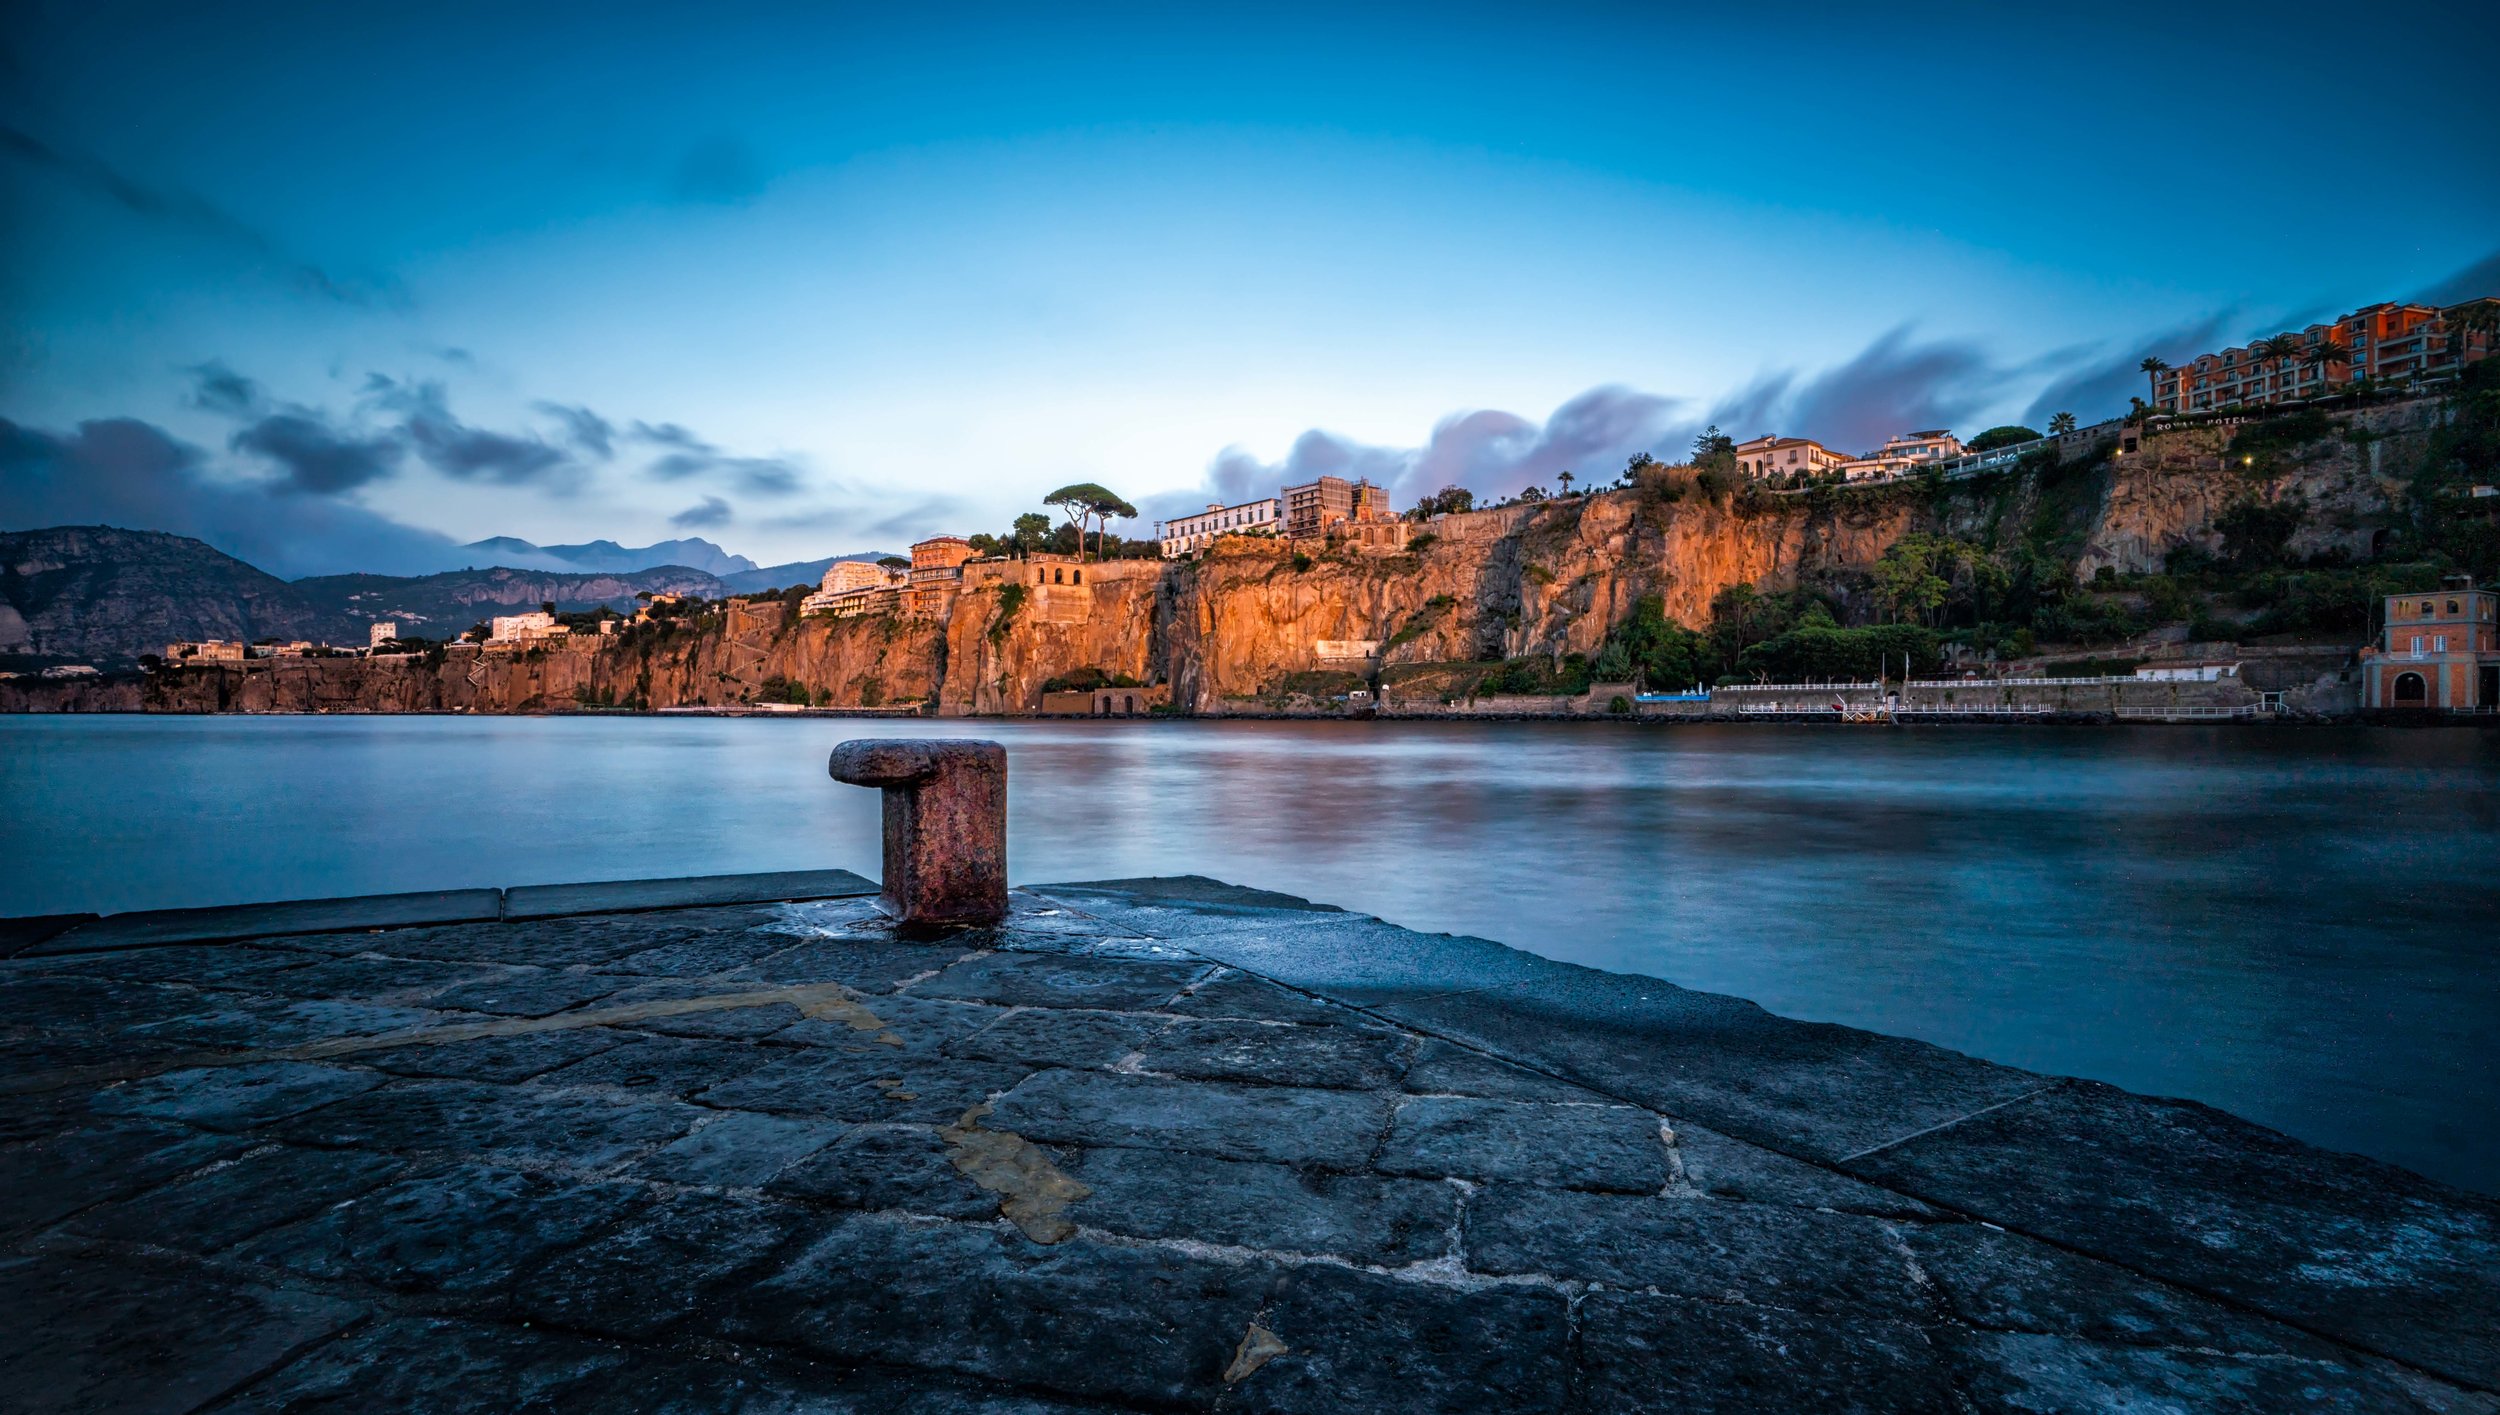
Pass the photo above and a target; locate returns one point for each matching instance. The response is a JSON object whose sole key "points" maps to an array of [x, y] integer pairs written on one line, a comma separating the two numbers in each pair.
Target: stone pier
{"points": [[1143, 1145]]}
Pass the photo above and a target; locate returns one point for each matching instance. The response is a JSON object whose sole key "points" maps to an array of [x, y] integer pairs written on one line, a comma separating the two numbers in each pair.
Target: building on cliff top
{"points": [[1902, 455], [1311, 508], [2388, 343], [2440, 649], [1771, 455], [205, 651], [380, 632], [536, 626], [1190, 534], [937, 572], [849, 588]]}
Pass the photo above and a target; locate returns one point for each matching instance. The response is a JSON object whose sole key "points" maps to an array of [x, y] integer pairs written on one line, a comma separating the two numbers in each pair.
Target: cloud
{"points": [[2102, 389], [194, 216], [2472, 283], [470, 453], [590, 434], [690, 456], [717, 169], [1895, 384], [711, 511], [1490, 452], [220, 389], [123, 472], [317, 458]]}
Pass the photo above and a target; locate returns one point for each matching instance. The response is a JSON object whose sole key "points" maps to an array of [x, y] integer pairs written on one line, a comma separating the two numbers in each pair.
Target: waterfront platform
{"points": [[736, 1144]]}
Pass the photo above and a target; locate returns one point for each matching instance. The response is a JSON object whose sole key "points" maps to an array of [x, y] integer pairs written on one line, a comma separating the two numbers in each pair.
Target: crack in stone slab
{"points": [[1034, 1193], [1948, 1124]]}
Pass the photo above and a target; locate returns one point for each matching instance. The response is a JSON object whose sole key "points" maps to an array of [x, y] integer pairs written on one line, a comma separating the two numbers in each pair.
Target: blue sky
{"points": [[337, 290]]}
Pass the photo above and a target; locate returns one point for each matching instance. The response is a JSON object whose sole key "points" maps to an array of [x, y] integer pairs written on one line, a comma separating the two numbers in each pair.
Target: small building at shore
{"points": [[2440, 649]]}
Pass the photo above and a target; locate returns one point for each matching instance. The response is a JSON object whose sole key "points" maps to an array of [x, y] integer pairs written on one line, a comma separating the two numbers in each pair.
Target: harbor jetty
{"points": [[805, 1142]]}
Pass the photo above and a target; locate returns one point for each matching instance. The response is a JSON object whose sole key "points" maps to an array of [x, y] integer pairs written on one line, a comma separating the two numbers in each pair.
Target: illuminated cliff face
{"points": [[1225, 630]]}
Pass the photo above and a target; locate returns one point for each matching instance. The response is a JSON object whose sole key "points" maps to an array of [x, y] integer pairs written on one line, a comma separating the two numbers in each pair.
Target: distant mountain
{"points": [[95, 594], [604, 556], [98, 595], [797, 572]]}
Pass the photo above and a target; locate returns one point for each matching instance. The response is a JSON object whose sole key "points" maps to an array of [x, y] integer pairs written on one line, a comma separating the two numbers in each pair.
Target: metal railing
{"points": [[2191, 714]]}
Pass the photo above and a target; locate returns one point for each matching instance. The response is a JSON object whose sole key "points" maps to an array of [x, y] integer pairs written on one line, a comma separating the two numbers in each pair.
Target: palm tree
{"points": [[2277, 350], [2323, 355], [2061, 424], [2154, 365], [1564, 477], [2480, 317]]}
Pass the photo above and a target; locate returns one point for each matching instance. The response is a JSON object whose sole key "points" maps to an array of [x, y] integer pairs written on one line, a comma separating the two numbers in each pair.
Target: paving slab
{"points": [[235, 1098], [1727, 1168], [1044, 1036], [91, 1336], [1999, 1281], [49, 1179], [1076, 1319], [1356, 1341], [2014, 1371], [663, 1066], [2345, 1246], [888, 1086], [523, 1123], [661, 1267], [515, 1058], [1704, 1249], [1811, 1089], [146, 928], [1646, 1353], [464, 1229], [1293, 1125], [1362, 1218], [1612, 1147], [547, 901], [1342, 1057], [905, 1168], [224, 1204], [1042, 980], [441, 1365], [739, 1150]]}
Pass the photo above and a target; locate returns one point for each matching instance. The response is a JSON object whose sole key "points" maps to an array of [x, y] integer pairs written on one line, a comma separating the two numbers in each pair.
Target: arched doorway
{"points": [[2411, 690]]}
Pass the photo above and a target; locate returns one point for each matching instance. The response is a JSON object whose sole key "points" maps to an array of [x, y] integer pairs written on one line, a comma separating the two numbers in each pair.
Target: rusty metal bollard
{"points": [[945, 825]]}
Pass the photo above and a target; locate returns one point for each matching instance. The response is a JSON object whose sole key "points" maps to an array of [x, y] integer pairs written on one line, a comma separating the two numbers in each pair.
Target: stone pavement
{"points": [[1149, 1145]]}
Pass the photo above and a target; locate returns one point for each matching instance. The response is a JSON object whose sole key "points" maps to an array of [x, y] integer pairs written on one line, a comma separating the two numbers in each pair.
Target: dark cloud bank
{"points": [[283, 495]]}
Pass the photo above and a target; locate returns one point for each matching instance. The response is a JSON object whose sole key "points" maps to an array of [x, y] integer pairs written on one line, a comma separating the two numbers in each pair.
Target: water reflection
{"points": [[2295, 926]]}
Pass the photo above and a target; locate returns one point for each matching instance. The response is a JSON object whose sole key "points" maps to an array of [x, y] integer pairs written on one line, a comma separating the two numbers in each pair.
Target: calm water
{"points": [[2299, 927]]}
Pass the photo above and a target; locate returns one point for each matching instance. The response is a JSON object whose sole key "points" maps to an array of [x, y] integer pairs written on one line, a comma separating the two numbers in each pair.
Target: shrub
{"points": [[1301, 562], [1417, 545], [1997, 437]]}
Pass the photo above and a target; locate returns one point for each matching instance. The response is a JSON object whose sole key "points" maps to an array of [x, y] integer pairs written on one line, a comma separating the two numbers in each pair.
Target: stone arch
{"points": [[2412, 690], [1076, 577]]}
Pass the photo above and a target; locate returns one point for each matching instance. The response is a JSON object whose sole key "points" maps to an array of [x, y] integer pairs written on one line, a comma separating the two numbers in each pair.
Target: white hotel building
{"points": [[1191, 534]]}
